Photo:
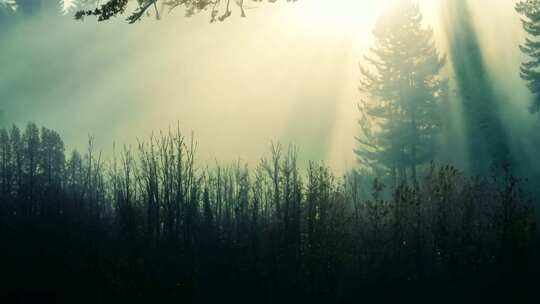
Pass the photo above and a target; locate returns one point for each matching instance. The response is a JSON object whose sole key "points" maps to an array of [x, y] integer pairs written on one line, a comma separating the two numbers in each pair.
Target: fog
{"points": [[288, 72], [413, 173]]}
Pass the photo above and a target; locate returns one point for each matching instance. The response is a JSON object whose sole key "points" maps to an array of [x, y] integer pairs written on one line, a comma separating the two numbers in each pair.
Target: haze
{"points": [[288, 72]]}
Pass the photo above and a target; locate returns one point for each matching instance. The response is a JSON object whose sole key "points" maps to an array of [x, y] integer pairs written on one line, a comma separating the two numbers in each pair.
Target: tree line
{"points": [[419, 105], [152, 225]]}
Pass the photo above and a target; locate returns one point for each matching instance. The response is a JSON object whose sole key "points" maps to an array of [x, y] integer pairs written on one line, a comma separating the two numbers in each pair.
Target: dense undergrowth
{"points": [[151, 226]]}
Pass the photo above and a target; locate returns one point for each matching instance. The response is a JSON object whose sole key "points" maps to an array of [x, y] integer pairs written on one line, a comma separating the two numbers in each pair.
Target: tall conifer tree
{"points": [[403, 90], [530, 72]]}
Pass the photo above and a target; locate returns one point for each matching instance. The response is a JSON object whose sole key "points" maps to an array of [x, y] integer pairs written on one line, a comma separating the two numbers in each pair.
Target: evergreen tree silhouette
{"points": [[530, 9], [404, 90]]}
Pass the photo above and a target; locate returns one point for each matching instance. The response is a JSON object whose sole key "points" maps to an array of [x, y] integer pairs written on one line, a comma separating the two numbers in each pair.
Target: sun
{"points": [[342, 15]]}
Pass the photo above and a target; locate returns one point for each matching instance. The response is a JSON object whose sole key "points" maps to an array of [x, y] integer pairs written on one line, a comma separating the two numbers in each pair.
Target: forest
{"points": [[435, 209]]}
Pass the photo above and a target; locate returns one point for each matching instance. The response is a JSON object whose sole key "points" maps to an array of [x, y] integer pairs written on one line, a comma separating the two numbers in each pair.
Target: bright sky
{"points": [[288, 72]]}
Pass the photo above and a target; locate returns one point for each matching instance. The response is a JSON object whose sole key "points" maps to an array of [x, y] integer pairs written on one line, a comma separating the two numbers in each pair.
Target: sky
{"points": [[288, 72]]}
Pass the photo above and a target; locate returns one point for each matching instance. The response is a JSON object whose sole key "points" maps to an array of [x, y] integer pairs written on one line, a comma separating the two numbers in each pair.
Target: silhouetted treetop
{"points": [[135, 10], [152, 226], [403, 89], [530, 11], [219, 9]]}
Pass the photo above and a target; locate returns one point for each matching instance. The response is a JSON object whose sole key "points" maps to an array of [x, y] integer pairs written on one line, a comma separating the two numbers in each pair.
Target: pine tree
{"points": [[52, 157], [31, 152], [17, 150], [530, 10], [400, 117], [5, 164]]}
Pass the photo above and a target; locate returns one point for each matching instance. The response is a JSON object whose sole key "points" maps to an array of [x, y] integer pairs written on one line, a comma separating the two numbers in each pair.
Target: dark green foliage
{"points": [[151, 226], [401, 115], [530, 10]]}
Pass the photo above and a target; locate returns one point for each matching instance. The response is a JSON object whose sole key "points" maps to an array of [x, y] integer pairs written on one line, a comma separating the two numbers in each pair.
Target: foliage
{"points": [[219, 9], [530, 10], [151, 226], [401, 115]]}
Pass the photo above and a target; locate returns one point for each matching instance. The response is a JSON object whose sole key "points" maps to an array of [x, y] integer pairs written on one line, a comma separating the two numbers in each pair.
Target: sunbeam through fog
{"points": [[221, 81], [269, 151]]}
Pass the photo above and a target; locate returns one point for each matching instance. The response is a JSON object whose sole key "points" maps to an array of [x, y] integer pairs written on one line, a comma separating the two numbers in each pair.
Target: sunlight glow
{"points": [[294, 62], [340, 13]]}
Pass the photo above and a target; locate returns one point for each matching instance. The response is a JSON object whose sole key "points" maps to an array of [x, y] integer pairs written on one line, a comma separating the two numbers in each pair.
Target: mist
{"points": [[314, 151], [117, 82]]}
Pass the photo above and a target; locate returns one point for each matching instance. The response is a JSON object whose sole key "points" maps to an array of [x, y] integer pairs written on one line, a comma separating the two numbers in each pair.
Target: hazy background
{"points": [[288, 72]]}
